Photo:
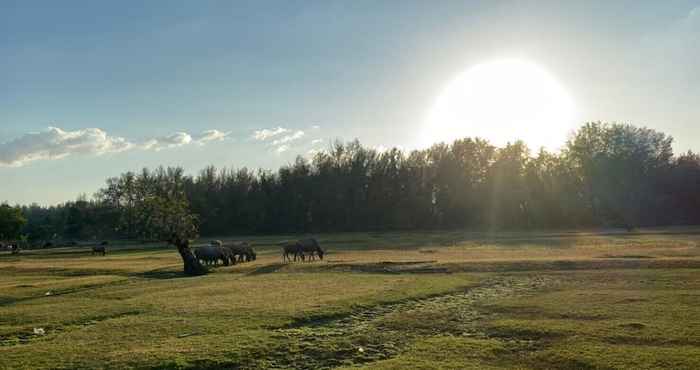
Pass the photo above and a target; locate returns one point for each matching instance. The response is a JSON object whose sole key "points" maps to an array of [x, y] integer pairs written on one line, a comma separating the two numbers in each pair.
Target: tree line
{"points": [[606, 175]]}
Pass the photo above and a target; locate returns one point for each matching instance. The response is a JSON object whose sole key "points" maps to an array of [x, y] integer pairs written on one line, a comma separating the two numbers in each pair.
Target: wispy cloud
{"points": [[316, 141], [289, 138], [211, 135], [265, 134], [171, 141], [280, 139], [55, 143]]}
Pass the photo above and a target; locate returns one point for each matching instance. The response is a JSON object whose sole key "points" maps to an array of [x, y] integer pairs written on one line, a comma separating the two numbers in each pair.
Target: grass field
{"points": [[580, 300]]}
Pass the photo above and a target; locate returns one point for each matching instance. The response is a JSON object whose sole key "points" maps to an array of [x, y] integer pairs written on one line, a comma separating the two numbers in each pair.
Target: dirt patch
{"points": [[375, 333]]}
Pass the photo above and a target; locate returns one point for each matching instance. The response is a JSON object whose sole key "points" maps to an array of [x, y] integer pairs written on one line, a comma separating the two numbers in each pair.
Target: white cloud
{"points": [[288, 138], [54, 143], [171, 141], [211, 135], [280, 139], [265, 134]]}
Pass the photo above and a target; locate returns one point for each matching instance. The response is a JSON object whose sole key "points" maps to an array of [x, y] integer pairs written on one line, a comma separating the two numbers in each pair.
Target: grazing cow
{"points": [[292, 248], [241, 251], [212, 255], [311, 248], [99, 249]]}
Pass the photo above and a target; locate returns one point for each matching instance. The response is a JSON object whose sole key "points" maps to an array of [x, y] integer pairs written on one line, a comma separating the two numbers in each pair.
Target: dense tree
{"points": [[11, 222], [606, 175]]}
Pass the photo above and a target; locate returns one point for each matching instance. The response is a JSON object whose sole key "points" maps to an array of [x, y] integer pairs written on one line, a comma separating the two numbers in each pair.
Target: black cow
{"points": [[311, 248]]}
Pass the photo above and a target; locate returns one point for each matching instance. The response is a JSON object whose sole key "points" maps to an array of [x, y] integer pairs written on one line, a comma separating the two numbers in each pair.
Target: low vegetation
{"points": [[377, 301]]}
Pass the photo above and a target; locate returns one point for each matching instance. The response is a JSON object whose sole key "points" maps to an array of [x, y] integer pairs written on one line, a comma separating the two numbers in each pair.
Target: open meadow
{"points": [[448, 300]]}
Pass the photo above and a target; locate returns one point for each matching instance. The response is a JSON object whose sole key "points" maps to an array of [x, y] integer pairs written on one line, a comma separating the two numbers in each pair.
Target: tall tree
{"points": [[11, 222]]}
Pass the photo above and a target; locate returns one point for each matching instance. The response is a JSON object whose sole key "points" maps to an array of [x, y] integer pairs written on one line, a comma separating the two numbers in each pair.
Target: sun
{"points": [[502, 101]]}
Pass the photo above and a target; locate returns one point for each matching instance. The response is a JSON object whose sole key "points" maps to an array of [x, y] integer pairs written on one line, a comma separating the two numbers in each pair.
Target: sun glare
{"points": [[503, 101]]}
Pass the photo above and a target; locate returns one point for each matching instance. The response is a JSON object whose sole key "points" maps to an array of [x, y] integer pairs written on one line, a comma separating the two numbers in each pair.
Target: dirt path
{"points": [[381, 332]]}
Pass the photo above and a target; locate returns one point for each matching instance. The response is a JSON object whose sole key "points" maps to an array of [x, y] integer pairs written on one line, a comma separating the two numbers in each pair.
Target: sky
{"points": [[91, 89]]}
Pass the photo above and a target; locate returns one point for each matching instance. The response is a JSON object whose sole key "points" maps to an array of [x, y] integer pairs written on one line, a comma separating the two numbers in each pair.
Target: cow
{"points": [[311, 248], [99, 249], [212, 255], [292, 248], [241, 251]]}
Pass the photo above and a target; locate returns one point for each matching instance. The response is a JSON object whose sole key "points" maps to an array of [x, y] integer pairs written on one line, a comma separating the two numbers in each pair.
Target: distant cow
{"points": [[311, 248], [212, 255], [99, 249], [292, 248], [14, 248], [241, 251]]}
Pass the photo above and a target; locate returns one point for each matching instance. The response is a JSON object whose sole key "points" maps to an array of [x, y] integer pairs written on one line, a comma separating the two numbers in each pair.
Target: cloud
{"points": [[211, 135], [54, 143], [171, 141], [279, 139], [288, 138], [265, 134]]}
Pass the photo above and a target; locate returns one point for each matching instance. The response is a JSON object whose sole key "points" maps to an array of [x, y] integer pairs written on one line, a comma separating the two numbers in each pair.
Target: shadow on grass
{"points": [[162, 274], [267, 269]]}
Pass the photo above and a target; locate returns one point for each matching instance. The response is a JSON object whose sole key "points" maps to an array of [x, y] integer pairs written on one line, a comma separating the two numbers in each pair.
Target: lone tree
{"points": [[169, 219], [11, 222]]}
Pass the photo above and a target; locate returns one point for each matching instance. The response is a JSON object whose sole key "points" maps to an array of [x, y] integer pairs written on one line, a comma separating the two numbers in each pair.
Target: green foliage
{"points": [[11, 222], [610, 175]]}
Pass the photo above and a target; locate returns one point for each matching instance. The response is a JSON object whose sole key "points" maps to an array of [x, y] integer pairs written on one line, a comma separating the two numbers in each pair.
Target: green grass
{"points": [[379, 301]]}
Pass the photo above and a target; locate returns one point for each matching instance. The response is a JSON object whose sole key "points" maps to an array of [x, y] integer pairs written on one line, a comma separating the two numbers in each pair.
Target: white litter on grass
{"points": [[48, 293], [361, 350], [39, 331]]}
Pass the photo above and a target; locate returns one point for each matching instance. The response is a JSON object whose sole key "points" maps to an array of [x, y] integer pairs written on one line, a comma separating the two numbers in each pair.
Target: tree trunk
{"points": [[192, 267]]}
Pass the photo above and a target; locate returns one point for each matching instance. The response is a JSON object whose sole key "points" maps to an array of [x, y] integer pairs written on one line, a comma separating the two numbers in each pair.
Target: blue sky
{"points": [[220, 71]]}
